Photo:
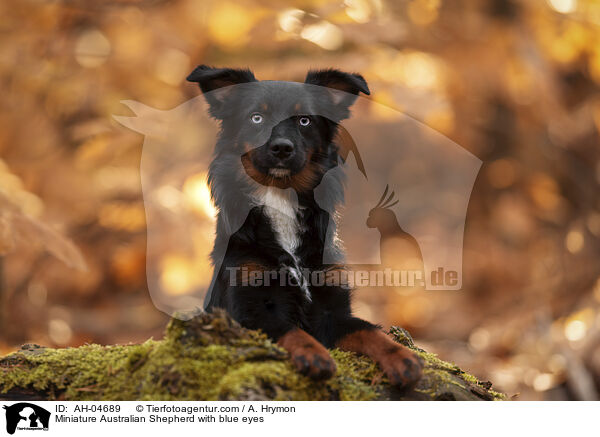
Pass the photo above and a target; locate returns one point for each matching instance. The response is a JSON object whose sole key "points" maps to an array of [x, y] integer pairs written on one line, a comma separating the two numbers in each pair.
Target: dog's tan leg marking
{"points": [[400, 364], [308, 355]]}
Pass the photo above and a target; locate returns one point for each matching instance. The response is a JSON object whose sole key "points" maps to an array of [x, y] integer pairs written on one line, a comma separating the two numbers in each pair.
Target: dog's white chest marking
{"points": [[281, 208]]}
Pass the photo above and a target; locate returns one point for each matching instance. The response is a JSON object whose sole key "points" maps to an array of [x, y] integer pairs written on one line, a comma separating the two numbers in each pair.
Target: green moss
{"points": [[207, 357], [439, 374]]}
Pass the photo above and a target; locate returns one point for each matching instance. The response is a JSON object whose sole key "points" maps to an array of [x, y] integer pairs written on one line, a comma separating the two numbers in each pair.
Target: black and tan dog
{"points": [[275, 146]]}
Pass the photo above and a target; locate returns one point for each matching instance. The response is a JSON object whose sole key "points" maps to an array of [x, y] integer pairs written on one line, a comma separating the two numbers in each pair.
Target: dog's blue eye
{"points": [[304, 121], [256, 118]]}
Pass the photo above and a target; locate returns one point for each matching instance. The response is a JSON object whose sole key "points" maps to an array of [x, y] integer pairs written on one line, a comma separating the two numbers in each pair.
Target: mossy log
{"points": [[211, 357]]}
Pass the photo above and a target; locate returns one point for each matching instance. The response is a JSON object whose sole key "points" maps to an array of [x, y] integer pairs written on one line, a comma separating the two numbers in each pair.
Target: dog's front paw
{"points": [[312, 362], [308, 355], [402, 367]]}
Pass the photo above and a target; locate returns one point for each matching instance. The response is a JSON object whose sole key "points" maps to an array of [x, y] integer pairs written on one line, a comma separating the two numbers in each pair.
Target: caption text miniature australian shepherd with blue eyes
{"points": [[275, 146]]}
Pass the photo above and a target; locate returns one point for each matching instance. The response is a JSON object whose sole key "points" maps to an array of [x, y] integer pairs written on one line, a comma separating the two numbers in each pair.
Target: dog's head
{"points": [[283, 131]]}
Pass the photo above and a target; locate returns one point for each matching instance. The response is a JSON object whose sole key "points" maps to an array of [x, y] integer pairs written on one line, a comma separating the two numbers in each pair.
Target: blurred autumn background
{"points": [[513, 82]]}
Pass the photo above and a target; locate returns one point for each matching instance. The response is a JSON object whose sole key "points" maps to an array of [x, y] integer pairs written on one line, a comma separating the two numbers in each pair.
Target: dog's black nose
{"points": [[281, 148]]}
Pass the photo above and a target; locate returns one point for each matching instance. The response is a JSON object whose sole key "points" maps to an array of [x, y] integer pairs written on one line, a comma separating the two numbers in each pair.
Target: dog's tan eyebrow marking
{"points": [[297, 107], [264, 107]]}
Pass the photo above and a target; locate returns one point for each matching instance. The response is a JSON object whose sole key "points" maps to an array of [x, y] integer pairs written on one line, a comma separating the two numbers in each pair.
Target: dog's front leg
{"points": [[400, 364], [276, 310], [308, 355]]}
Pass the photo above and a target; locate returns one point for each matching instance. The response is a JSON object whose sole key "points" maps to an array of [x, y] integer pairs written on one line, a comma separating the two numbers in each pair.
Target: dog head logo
{"points": [[26, 416], [295, 139]]}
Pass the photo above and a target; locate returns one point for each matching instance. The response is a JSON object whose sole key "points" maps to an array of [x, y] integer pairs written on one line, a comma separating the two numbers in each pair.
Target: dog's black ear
{"points": [[216, 84], [343, 87]]}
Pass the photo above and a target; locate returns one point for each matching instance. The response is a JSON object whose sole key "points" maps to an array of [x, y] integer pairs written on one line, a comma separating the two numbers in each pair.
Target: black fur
{"points": [[244, 155]]}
